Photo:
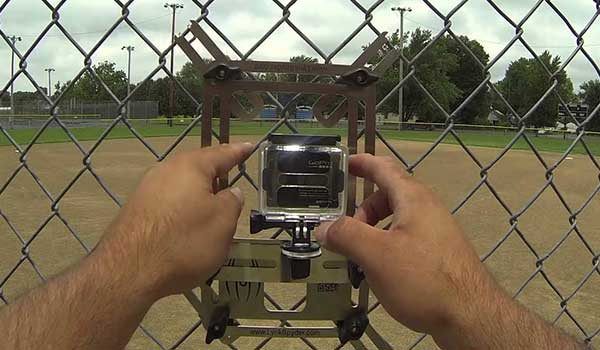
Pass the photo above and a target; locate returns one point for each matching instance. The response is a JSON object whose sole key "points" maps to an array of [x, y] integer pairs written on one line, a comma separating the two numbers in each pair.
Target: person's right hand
{"points": [[423, 270]]}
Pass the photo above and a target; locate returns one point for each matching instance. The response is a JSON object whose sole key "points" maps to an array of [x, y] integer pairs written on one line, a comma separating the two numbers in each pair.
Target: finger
{"points": [[219, 160], [374, 209], [383, 171], [352, 238], [231, 202], [401, 190]]}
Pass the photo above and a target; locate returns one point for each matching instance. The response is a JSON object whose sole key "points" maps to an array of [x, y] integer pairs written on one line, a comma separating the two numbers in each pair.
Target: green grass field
{"points": [[493, 139]]}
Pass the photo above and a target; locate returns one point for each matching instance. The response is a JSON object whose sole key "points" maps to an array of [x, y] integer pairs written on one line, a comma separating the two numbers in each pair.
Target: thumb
{"points": [[230, 202], [352, 238]]}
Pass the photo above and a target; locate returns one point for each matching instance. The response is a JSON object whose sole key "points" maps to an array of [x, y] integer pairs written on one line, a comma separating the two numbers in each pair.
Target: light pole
{"points": [[14, 40], [129, 50], [50, 70], [401, 10], [174, 7]]}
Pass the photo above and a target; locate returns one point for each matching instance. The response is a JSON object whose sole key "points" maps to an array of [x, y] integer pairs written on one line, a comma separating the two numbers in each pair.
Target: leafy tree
{"points": [[5, 99], [26, 102], [158, 90], [289, 77], [284, 98], [390, 79], [433, 70], [89, 89], [155, 90], [300, 77], [525, 84], [467, 77], [26, 96], [192, 80], [590, 95], [305, 100]]}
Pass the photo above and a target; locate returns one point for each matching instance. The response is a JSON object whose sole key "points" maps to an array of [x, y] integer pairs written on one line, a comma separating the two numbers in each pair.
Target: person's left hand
{"points": [[175, 231]]}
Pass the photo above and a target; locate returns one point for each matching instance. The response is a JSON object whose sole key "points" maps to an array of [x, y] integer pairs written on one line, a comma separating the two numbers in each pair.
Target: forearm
{"points": [[493, 321], [95, 305], [166, 240]]}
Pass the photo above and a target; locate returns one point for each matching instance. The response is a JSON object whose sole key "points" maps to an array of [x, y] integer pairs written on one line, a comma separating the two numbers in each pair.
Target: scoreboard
{"points": [[579, 112]]}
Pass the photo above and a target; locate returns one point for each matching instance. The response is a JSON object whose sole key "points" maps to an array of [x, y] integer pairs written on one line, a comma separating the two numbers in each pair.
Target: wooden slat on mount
{"points": [[387, 62], [225, 110], [208, 43], [292, 68], [207, 114], [370, 127], [371, 51], [191, 53], [352, 149]]}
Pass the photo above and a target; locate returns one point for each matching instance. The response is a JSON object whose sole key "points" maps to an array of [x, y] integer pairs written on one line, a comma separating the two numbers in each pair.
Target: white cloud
{"points": [[326, 23]]}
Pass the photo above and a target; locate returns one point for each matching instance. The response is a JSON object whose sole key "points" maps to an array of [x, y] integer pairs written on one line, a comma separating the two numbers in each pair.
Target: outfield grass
{"points": [[493, 139]]}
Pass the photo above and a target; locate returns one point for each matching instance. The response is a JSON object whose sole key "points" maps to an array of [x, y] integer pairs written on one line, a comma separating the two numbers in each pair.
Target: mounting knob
{"points": [[355, 274], [359, 77], [259, 223], [223, 72], [353, 327], [217, 324]]}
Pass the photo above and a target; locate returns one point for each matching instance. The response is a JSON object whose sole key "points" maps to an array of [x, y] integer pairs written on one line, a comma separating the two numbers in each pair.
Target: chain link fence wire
{"points": [[139, 110], [33, 116], [570, 304]]}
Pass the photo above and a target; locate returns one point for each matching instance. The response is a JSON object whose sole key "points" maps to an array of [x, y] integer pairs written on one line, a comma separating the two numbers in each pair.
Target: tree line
{"points": [[451, 75], [446, 73]]}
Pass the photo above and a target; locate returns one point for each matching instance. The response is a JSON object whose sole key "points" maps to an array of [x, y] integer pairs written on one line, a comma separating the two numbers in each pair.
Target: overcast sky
{"points": [[326, 22]]}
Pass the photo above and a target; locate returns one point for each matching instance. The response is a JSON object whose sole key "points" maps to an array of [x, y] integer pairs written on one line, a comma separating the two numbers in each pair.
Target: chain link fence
{"points": [[77, 114], [101, 110], [550, 264]]}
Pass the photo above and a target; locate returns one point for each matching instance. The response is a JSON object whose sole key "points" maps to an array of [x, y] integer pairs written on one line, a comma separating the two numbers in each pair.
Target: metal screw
{"points": [[361, 78]]}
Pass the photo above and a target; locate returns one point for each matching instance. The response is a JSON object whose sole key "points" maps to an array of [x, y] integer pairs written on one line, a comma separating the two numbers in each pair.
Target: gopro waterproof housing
{"points": [[302, 180]]}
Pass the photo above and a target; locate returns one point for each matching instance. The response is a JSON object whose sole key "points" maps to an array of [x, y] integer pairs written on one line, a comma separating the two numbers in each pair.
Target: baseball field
{"points": [[543, 228]]}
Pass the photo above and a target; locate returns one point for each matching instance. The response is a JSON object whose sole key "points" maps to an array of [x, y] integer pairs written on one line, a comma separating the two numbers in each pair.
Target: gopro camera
{"points": [[303, 181]]}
